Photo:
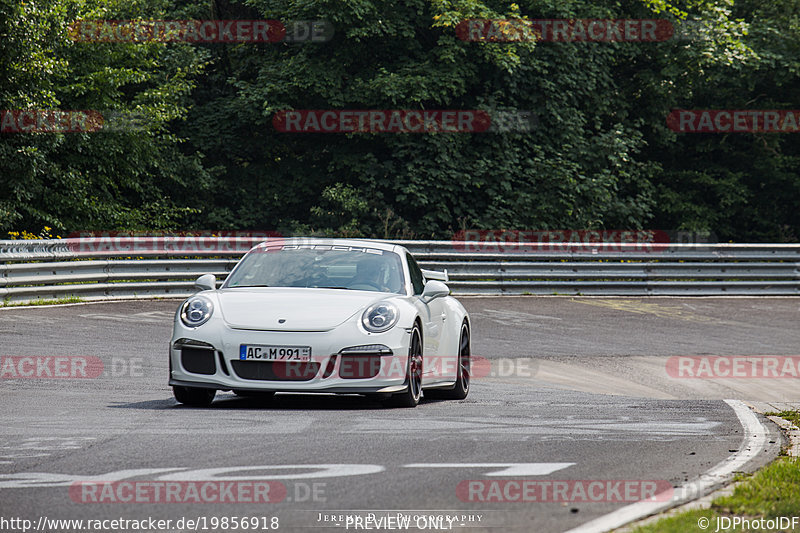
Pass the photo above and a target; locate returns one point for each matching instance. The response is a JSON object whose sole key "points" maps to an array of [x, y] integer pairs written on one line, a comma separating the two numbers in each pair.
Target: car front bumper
{"points": [[210, 358]]}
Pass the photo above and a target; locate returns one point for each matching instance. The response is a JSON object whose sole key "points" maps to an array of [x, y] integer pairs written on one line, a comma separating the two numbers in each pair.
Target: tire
{"points": [[196, 397], [411, 396], [461, 388], [255, 394]]}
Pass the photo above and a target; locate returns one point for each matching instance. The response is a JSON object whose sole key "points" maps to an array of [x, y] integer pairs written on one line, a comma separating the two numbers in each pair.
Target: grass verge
{"points": [[68, 300]]}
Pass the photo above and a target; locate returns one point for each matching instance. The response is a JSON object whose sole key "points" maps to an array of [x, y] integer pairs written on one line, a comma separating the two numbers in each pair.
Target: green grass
{"points": [[67, 300], [772, 492], [791, 416]]}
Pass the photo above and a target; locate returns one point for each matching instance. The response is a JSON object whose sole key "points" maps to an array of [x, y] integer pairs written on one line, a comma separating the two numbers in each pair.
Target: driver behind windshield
{"points": [[370, 275]]}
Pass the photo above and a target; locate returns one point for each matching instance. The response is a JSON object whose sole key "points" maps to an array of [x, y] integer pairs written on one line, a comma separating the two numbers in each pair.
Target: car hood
{"points": [[301, 309]]}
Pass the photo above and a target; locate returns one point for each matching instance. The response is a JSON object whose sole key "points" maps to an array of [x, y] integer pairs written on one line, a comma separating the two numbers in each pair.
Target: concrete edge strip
{"points": [[755, 436], [792, 432]]}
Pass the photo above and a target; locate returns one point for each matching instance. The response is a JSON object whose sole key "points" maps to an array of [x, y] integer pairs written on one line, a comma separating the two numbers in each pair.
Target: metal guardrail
{"points": [[135, 267]]}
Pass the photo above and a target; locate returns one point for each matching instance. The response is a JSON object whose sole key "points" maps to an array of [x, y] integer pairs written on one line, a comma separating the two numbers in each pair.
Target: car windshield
{"points": [[320, 266]]}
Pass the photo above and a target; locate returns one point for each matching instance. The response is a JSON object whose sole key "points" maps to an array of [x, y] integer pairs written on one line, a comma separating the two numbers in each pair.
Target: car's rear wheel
{"points": [[196, 397], [411, 396], [461, 389]]}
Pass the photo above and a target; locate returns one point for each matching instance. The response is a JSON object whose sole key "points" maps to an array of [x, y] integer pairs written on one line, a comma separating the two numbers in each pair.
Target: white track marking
{"points": [[755, 436], [505, 469]]}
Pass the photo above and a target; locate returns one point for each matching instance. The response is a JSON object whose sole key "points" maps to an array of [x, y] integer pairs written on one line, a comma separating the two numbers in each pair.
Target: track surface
{"points": [[578, 390]]}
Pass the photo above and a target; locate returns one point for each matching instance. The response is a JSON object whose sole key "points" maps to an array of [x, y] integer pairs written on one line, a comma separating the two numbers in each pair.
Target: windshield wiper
{"points": [[332, 287]]}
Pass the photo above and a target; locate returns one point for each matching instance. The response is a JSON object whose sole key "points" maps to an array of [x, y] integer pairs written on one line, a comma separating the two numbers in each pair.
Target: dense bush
{"points": [[208, 157]]}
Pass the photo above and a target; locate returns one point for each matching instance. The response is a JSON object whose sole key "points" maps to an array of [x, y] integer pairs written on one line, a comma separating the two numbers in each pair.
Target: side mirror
{"points": [[206, 282], [434, 289]]}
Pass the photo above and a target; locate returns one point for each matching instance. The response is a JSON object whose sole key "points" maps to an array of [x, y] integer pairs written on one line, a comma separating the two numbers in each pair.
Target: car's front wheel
{"points": [[461, 388], [411, 396], [196, 397]]}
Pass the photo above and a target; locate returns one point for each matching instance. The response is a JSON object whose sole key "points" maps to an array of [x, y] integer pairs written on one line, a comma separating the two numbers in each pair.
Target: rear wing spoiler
{"points": [[435, 274]]}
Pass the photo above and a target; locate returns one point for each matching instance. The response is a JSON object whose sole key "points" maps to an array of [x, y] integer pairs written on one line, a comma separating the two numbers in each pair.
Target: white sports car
{"points": [[322, 315]]}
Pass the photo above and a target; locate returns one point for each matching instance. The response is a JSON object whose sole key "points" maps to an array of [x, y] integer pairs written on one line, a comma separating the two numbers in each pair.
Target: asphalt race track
{"points": [[578, 407]]}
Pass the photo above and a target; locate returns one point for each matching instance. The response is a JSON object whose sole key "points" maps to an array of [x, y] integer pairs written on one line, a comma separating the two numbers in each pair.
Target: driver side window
{"points": [[417, 279]]}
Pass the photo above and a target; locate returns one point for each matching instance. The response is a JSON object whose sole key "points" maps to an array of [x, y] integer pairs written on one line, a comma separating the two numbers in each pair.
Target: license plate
{"points": [[260, 352]]}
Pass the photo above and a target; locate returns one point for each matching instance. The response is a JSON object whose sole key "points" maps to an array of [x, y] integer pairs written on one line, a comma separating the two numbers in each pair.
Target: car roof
{"points": [[356, 243]]}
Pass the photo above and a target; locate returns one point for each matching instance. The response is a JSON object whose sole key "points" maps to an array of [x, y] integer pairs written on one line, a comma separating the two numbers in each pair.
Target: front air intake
{"points": [[362, 366], [198, 360], [275, 371]]}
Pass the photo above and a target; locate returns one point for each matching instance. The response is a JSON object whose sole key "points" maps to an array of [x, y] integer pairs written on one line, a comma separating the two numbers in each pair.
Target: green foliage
{"points": [[600, 156], [126, 179]]}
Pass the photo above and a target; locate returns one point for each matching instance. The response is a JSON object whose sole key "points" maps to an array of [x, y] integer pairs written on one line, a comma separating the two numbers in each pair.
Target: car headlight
{"points": [[196, 311], [380, 317]]}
